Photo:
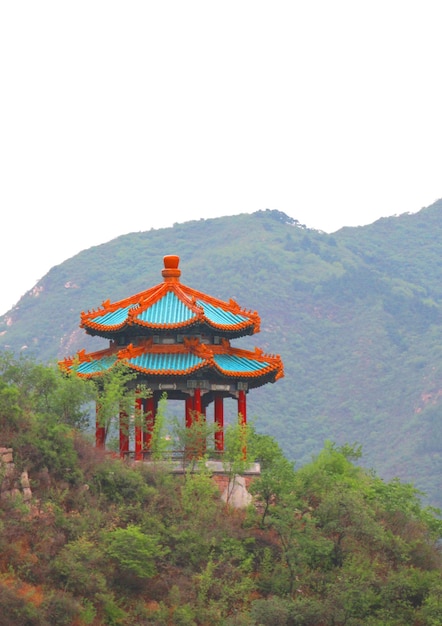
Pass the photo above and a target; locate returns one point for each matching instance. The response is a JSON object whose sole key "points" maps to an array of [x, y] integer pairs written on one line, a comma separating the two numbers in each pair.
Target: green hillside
{"points": [[355, 316], [87, 539]]}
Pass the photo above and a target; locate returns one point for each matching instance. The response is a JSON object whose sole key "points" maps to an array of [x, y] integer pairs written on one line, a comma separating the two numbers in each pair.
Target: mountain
{"points": [[355, 316]]}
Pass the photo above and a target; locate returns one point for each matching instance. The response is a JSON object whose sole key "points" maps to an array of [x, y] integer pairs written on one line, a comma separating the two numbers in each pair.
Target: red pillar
{"points": [[150, 422], [202, 415], [124, 434], [242, 415], [138, 429], [219, 421], [194, 410], [197, 407], [100, 431], [242, 407], [189, 411]]}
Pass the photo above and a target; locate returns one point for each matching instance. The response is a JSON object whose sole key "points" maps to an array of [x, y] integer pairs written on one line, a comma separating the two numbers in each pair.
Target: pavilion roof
{"points": [[170, 306], [192, 357]]}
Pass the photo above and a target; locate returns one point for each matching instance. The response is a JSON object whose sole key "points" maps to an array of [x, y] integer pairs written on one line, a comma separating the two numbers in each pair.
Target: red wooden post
{"points": [[150, 422], [219, 422], [242, 408], [189, 411], [202, 417], [138, 429], [124, 434], [197, 407], [100, 430], [242, 414], [196, 414]]}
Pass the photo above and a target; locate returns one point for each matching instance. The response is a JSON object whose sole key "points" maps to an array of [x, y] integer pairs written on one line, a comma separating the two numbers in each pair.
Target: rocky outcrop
{"points": [[12, 482]]}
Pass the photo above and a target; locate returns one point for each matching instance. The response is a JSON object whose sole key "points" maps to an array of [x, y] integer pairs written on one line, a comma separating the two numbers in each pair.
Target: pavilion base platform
{"points": [[233, 487]]}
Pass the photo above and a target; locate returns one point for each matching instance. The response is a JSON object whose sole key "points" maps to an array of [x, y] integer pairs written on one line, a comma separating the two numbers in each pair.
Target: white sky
{"points": [[118, 117]]}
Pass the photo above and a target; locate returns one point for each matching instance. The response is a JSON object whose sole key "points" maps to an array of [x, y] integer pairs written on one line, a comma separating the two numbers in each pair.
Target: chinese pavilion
{"points": [[176, 340]]}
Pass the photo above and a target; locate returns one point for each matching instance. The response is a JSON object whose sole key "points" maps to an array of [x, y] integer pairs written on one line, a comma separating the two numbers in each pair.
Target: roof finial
{"points": [[171, 272]]}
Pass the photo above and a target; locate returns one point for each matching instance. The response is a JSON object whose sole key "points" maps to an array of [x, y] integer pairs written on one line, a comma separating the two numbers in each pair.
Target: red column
{"points": [[100, 431], [242, 408], [124, 434], [219, 421], [150, 422], [138, 429], [192, 416], [202, 415], [189, 411], [242, 415], [197, 407]]}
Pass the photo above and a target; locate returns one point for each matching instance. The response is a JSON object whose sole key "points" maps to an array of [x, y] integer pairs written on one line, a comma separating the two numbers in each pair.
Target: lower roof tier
{"points": [[182, 361]]}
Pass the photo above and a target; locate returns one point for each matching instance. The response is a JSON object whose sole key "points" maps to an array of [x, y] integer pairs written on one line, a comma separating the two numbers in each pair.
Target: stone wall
{"points": [[234, 490], [12, 482]]}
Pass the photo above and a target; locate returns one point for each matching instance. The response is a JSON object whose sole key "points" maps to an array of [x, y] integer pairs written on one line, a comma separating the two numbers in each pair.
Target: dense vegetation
{"points": [[106, 543], [356, 317]]}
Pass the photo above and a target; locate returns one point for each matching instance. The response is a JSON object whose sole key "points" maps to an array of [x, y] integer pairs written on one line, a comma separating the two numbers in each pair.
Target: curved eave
{"points": [[114, 316], [233, 331], [170, 307], [250, 366], [161, 327], [196, 325], [226, 316], [183, 361], [106, 323], [92, 364]]}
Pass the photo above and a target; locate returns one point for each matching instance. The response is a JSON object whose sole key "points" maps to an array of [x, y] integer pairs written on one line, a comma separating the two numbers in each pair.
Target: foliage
{"points": [[76, 567], [117, 483], [277, 473], [328, 543], [194, 441], [114, 395], [134, 552], [161, 440]]}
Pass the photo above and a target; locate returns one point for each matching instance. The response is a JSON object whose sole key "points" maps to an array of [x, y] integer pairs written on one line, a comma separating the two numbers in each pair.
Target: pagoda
{"points": [[176, 340]]}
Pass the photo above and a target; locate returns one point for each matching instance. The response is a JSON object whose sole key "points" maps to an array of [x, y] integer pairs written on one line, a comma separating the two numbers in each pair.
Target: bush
{"points": [[61, 609], [121, 484], [134, 552], [15, 611]]}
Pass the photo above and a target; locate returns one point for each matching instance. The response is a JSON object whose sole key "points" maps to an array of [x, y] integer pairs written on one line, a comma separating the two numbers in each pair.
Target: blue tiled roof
{"points": [[167, 310], [115, 318], [160, 362], [232, 363], [219, 316], [96, 365]]}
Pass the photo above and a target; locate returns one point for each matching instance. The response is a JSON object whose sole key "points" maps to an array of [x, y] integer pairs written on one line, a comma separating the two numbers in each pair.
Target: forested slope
{"points": [[105, 543]]}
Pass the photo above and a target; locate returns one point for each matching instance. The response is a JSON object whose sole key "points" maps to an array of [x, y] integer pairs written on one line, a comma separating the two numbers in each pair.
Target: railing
{"points": [[182, 455], [180, 460]]}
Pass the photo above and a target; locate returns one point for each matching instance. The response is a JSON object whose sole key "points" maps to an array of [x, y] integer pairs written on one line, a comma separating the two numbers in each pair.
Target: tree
{"points": [[134, 552], [161, 441], [238, 452], [277, 473], [193, 440], [116, 393], [44, 390]]}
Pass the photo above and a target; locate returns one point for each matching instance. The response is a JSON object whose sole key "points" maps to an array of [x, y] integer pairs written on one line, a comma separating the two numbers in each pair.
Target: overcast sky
{"points": [[118, 117]]}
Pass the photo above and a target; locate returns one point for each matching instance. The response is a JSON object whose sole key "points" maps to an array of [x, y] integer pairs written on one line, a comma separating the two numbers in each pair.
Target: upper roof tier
{"points": [[170, 307]]}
